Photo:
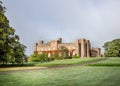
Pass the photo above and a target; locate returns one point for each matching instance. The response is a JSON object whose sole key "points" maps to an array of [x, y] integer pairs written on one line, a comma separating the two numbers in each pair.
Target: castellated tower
{"points": [[80, 47], [35, 47], [59, 40], [88, 48]]}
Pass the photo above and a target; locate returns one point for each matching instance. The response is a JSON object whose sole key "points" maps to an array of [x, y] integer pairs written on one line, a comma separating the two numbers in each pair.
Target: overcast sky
{"points": [[33, 20]]}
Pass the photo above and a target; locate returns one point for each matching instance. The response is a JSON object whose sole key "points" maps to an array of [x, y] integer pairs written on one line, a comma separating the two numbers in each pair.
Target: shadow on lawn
{"points": [[21, 65], [18, 65]]}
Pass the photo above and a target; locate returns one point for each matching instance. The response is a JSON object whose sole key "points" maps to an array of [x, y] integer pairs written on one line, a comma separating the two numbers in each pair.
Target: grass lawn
{"points": [[70, 76], [18, 68], [34, 65], [105, 72], [109, 62], [65, 62]]}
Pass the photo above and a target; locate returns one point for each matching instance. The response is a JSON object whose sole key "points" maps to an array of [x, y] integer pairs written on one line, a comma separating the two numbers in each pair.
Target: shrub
{"points": [[37, 57], [75, 56], [64, 52], [55, 55]]}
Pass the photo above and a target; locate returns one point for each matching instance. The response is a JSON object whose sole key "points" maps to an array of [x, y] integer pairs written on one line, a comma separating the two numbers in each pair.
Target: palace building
{"points": [[80, 47]]}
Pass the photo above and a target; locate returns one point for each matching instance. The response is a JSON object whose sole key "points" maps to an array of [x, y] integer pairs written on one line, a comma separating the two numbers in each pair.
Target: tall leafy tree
{"points": [[64, 52], [11, 50], [112, 48]]}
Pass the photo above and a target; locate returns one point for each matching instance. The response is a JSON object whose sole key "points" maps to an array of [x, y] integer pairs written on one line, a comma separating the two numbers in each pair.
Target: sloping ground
{"points": [[70, 76], [113, 61], [67, 62], [53, 64]]}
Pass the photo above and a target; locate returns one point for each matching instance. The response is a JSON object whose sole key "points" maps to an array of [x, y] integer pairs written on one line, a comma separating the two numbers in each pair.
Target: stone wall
{"points": [[95, 52]]}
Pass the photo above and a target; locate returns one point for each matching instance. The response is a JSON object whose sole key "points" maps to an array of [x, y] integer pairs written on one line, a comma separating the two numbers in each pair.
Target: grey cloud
{"points": [[96, 20]]}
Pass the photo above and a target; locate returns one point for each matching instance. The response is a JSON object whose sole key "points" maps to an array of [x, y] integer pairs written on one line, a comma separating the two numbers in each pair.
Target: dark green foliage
{"points": [[112, 48], [11, 50]]}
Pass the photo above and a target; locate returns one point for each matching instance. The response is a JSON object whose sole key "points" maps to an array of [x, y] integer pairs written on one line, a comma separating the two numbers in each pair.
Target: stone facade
{"points": [[81, 47]]}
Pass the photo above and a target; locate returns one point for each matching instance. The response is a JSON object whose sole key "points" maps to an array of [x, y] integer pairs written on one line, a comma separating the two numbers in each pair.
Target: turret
{"points": [[35, 47], [41, 42], [59, 40]]}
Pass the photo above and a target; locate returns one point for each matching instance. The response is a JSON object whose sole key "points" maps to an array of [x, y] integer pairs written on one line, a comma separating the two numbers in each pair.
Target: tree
{"points": [[34, 58], [37, 57], [64, 52], [55, 55], [11, 50], [112, 48]]}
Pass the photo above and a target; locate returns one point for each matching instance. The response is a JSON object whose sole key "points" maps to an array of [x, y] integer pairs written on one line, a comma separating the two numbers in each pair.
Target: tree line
{"points": [[112, 48]]}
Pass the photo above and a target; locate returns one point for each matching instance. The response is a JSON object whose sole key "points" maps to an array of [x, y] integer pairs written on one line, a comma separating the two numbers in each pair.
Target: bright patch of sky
{"points": [[34, 20]]}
